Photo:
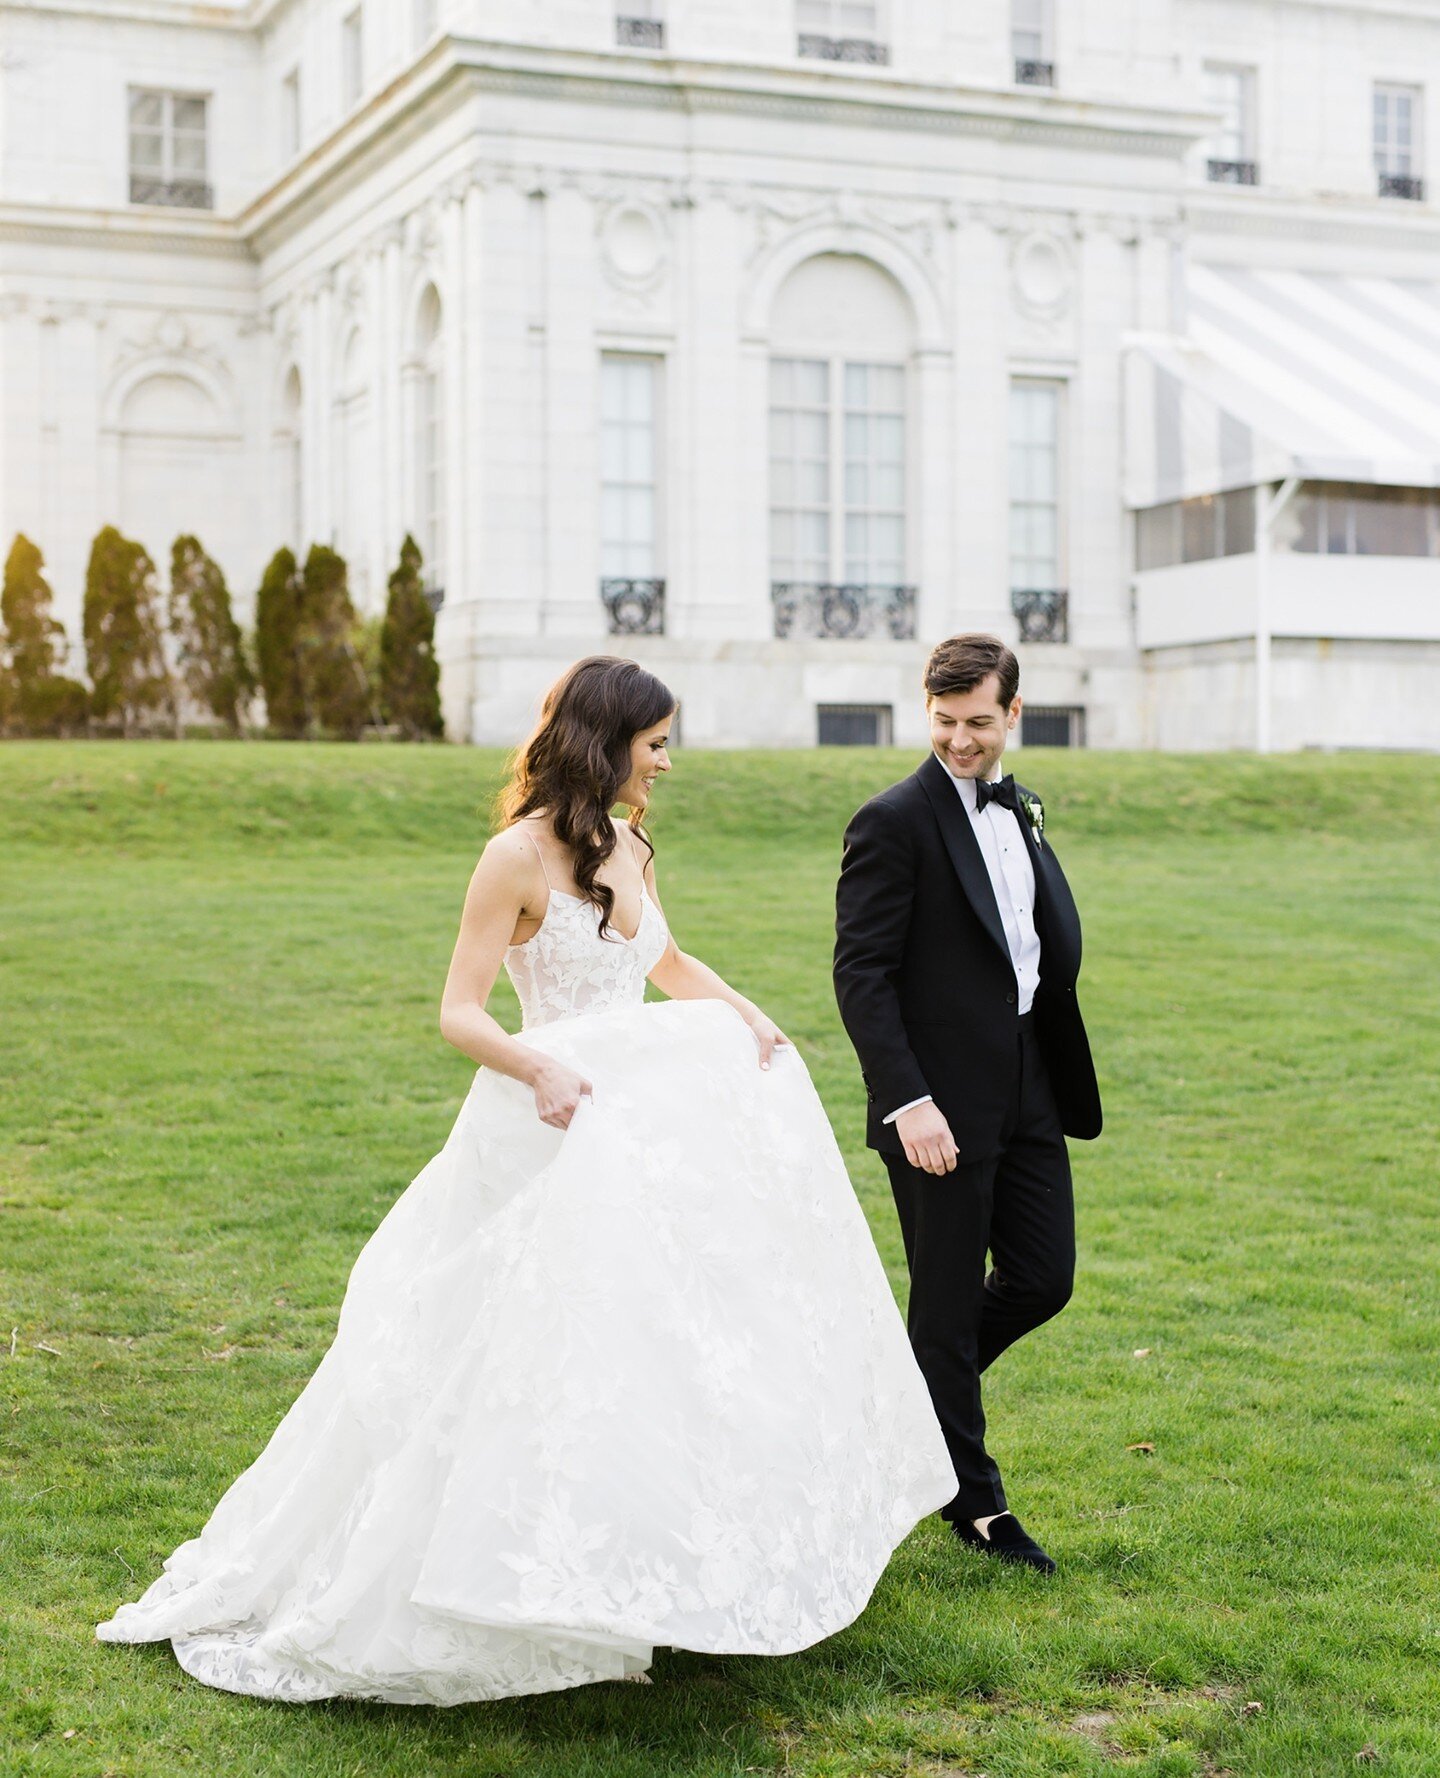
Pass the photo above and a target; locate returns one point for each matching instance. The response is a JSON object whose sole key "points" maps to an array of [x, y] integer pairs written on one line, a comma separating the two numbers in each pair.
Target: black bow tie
{"points": [[1002, 792]]}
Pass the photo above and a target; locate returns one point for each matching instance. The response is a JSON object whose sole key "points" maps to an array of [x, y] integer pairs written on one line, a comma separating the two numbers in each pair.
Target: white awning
{"points": [[1285, 373]]}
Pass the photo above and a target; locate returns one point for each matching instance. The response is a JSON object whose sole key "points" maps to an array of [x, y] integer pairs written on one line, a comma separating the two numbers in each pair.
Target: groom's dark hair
{"points": [[960, 663]]}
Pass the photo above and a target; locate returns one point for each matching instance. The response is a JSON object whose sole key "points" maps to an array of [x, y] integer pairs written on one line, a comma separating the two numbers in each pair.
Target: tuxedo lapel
{"points": [[1037, 853], [963, 847]]}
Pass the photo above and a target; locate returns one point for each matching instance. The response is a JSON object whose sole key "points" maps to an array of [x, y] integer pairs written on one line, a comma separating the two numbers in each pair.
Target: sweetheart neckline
{"points": [[525, 943]]}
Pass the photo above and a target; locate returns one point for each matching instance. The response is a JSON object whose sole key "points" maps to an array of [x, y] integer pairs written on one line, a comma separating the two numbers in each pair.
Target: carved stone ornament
{"points": [[1043, 276], [634, 247]]}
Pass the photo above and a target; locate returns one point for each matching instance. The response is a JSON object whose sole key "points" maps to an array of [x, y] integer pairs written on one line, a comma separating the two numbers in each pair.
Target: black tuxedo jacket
{"points": [[924, 977]]}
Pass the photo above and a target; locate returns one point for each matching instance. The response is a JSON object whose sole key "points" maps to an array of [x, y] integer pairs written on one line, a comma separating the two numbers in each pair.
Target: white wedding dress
{"points": [[639, 1383]]}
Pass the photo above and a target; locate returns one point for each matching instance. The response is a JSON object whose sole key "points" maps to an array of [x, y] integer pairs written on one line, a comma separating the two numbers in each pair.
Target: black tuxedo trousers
{"points": [[1018, 1206]]}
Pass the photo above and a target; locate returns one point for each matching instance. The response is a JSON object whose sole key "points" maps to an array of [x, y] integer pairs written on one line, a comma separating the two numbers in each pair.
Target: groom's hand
{"points": [[926, 1135]]}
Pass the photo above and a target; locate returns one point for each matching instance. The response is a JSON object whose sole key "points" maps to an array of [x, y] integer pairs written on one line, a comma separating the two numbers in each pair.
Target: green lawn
{"points": [[219, 1062]]}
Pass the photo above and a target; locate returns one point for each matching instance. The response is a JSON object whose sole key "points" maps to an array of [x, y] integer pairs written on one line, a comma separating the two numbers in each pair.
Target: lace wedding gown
{"points": [[638, 1383]]}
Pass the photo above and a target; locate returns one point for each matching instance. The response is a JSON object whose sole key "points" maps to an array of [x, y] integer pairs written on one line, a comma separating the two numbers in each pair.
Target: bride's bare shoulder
{"points": [[511, 856]]}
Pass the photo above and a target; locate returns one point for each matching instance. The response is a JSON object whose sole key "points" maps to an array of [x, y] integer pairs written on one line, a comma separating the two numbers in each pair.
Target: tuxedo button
{"points": [[1009, 1000]]}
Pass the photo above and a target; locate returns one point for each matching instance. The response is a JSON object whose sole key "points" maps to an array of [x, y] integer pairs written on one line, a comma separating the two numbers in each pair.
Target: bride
{"points": [[621, 1368]]}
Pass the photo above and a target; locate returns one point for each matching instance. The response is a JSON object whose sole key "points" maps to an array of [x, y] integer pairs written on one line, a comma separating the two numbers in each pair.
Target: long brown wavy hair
{"points": [[573, 765]]}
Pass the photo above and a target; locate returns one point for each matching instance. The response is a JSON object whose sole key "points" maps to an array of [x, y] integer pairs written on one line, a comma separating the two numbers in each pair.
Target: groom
{"points": [[957, 945]]}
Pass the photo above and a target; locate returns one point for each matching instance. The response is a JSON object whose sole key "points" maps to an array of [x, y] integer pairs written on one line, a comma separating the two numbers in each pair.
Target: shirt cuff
{"points": [[926, 1100]]}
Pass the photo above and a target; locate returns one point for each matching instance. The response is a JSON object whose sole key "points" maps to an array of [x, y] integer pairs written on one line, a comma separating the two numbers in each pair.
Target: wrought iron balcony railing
{"points": [[1044, 613], [185, 194], [1232, 172], [639, 33], [843, 49], [1402, 185], [1028, 73], [824, 608], [635, 607]]}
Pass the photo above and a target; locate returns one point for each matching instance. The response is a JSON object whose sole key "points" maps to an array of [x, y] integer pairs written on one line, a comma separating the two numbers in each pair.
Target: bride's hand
{"points": [[768, 1035], [558, 1091]]}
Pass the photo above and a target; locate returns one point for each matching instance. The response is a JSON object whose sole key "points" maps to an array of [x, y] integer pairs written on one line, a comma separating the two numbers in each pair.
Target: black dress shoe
{"points": [[1006, 1538]]}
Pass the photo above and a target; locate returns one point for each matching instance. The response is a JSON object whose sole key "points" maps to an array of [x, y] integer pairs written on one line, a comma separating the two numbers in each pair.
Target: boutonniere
{"points": [[1034, 814]]}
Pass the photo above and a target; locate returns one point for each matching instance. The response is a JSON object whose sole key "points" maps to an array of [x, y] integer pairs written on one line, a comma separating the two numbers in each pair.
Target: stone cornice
{"points": [[828, 95], [457, 68], [144, 12], [150, 232]]}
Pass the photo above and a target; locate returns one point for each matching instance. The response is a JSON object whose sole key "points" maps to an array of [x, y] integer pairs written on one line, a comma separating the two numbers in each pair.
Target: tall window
{"points": [[1396, 131], [1037, 574], [168, 149], [629, 389], [430, 441], [290, 113], [1031, 44], [837, 472], [1230, 152], [841, 30], [352, 66]]}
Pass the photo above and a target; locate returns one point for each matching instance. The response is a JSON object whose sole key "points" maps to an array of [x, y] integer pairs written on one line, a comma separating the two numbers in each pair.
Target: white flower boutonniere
{"points": [[1034, 814]]}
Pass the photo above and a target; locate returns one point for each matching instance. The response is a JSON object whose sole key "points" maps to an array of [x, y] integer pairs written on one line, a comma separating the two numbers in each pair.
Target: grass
{"points": [[219, 1063]]}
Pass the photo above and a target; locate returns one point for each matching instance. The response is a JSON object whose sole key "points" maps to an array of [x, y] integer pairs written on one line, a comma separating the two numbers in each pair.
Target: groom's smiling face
{"points": [[969, 729]]}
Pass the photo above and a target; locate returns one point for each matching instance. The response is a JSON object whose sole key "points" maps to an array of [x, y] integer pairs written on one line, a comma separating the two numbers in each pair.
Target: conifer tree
{"points": [[123, 642], [279, 623], [409, 672], [207, 638], [35, 699], [337, 691]]}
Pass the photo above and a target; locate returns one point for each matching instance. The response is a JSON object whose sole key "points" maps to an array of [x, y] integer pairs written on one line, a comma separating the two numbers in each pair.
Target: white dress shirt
{"points": [[1012, 876]]}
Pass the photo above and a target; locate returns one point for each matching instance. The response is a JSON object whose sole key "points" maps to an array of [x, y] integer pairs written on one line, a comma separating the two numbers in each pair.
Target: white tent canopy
{"points": [[1281, 374]]}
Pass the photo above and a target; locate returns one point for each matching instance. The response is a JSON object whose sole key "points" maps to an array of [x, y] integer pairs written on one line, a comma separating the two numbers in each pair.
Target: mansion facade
{"points": [[766, 341]]}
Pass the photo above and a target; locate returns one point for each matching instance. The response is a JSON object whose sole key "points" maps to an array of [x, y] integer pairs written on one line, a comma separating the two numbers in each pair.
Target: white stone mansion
{"points": [[766, 340]]}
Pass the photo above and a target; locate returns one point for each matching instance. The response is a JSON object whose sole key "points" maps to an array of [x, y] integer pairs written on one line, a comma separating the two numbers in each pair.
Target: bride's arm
{"points": [[683, 977], [502, 888]]}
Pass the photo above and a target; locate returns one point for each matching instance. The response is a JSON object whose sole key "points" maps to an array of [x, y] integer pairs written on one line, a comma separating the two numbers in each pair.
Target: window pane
{"points": [[640, 454], [782, 433], [1238, 521], [146, 153], [812, 382], [812, 482], [189, 114], [887, 387], [888, 485], [812, 529], [189, 154], [889, 439], [812, 437], [1392, 526], [147, 110]]}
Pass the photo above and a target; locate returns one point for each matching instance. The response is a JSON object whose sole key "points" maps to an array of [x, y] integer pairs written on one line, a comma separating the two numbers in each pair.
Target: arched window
{"points": [[429, 452], [842, 332]]}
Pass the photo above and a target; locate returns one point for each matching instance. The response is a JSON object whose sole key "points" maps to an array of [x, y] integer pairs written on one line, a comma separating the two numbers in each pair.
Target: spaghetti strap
{"points": [[541, 856]]}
